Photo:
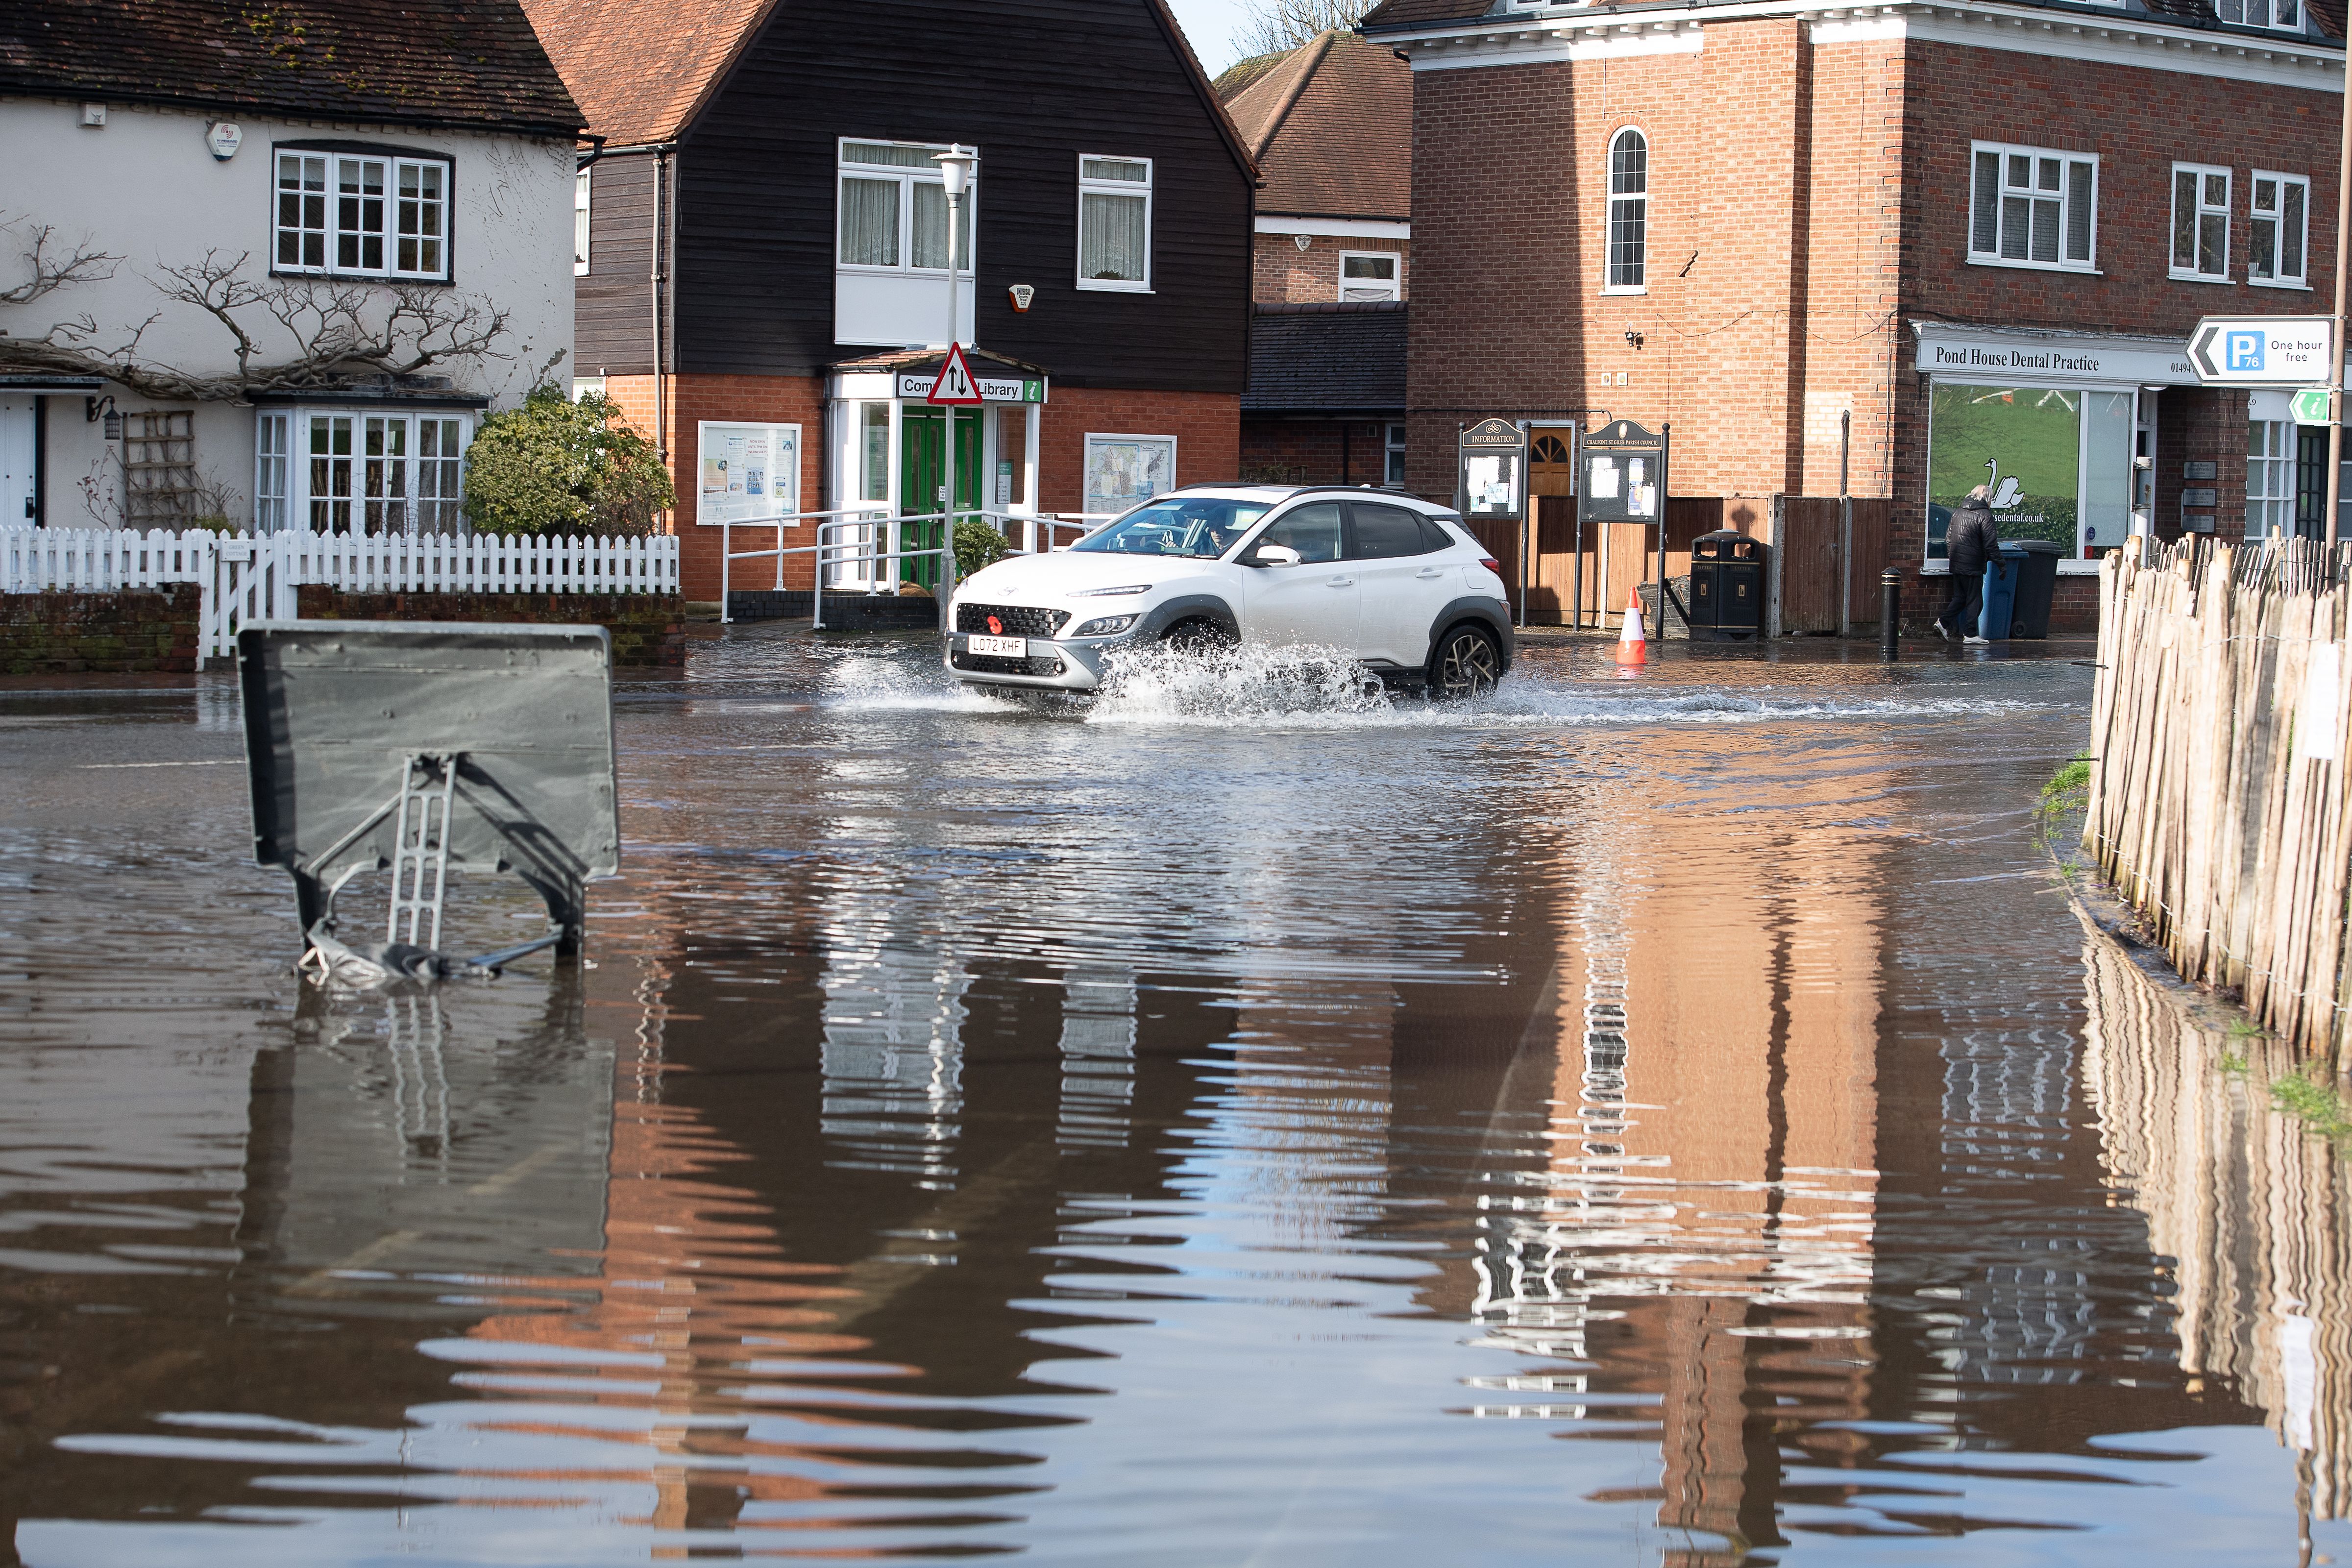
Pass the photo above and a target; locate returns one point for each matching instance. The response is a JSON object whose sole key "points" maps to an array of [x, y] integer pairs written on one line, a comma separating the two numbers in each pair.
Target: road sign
{"points": [[956, 385], [2262, 350], [2310, 405]]}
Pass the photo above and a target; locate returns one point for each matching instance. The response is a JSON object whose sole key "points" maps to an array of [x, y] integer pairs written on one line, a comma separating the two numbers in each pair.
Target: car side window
{"points": [[1386, 531], [1312, 530], [1436, 536]]}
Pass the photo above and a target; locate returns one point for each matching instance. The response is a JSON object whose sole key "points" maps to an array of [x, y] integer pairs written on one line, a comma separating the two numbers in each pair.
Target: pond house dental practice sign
{"points": [[2048, 424]]}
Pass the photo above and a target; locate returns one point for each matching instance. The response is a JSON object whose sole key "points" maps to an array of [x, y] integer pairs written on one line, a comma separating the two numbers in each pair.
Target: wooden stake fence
{"points": [[2218, 791]]}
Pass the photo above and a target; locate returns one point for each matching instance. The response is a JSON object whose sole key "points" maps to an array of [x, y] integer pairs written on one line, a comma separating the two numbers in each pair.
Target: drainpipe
{"points": [[654, 284], [1845, 528]]}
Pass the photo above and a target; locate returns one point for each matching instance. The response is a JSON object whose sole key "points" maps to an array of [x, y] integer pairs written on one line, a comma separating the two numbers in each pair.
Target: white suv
{"points": [[1392, 580]]}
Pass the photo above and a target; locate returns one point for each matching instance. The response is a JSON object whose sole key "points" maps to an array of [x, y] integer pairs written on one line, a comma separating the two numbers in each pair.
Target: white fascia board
{"points": [[1335, 227], [2145, 42]]}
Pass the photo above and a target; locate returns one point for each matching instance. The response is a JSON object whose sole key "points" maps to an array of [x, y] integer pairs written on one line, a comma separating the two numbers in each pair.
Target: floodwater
{"points": [[1673, 1121]]}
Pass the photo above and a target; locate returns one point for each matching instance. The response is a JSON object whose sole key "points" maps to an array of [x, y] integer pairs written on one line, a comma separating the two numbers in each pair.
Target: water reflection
{"points": [[1496, 1138]]}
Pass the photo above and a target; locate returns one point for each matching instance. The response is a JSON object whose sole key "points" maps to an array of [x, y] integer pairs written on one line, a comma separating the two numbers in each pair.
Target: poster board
{"points": [[1125, 471], [746, 472], [1625, 475], [1493, 471]]}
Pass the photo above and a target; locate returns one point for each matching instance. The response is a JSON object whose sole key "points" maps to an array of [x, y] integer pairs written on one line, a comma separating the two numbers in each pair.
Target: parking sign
{"points": [[2263, 350]]}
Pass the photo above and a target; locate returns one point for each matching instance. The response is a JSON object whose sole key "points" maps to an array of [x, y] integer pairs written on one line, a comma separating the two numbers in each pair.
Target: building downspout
{"points": [[654, 285]]}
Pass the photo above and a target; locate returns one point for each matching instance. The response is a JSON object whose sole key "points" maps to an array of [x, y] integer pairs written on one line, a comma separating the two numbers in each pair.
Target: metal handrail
{"points": [[861, 552]]}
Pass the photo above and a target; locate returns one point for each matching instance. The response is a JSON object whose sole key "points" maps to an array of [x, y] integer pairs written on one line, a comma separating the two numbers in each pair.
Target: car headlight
{"points": [[1105, 627], [1110, 592]]}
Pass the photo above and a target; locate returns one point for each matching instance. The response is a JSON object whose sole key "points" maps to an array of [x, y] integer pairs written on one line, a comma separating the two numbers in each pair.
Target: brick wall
{"points": [[648, 630], [1284, 274], [136, 629], [1807, 200], [1314, 451], [1207, 426]]}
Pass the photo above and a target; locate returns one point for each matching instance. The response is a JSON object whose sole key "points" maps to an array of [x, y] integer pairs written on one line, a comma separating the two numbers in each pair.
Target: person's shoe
{"points": [[1976, 642], [1942, 633]]}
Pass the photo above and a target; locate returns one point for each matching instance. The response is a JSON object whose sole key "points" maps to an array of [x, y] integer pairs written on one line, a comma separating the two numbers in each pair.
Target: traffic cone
{"points": [[1632, 648]]}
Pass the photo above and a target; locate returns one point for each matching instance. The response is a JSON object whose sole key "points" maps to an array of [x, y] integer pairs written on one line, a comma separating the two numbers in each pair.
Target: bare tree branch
{"points": [[49, 271], [1277, 26], [327, 336]]}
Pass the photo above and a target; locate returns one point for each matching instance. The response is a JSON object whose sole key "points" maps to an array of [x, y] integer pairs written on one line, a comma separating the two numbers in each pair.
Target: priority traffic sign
{"points": [[955, 385], [2262, 350], [2310, 405]]}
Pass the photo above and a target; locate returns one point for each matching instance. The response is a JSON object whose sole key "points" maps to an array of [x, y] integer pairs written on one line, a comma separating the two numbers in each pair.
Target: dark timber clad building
{"points": [[764, 228]]}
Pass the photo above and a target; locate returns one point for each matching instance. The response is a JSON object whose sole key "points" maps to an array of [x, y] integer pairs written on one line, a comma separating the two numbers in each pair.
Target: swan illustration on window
{"points": [[2004, 491]]}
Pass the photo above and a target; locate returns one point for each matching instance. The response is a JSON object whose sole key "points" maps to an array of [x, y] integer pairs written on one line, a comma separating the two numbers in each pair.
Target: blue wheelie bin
{"points": [[2018, 582]]}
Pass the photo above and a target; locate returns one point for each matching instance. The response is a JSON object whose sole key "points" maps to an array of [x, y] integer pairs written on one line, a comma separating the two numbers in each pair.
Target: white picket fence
{"points": [[249, 576]]}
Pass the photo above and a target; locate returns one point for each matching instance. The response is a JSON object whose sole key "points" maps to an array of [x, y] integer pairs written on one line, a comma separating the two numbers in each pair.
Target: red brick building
{"points": [[763, 258], [1331, 126], [1983, 231]]}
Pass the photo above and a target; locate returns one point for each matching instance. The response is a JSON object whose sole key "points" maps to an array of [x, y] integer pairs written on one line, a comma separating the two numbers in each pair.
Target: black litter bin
{"points": [[1726, 585], [2018, 582]]}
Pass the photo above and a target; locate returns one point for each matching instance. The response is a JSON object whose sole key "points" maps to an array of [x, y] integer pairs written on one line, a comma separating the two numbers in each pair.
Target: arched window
{"points": [[1629, 209]]}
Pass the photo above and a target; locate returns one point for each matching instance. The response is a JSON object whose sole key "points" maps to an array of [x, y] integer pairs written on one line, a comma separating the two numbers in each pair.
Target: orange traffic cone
{"points": [[1632, 648]]}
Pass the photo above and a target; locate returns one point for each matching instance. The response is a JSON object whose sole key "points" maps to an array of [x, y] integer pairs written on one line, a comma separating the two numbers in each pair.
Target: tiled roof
{"points": [[641, 68], [1403, 13], [913, 360], [401, 62], [1240, 73], [1306, 358], [1331, 127]]}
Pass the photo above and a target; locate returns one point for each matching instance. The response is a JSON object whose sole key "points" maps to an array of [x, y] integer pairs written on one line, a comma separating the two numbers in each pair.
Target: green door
{"points": [[922, 432]]}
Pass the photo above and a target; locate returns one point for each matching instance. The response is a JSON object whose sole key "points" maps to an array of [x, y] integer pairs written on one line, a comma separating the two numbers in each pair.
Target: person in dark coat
{"points": [[1970, 541]]}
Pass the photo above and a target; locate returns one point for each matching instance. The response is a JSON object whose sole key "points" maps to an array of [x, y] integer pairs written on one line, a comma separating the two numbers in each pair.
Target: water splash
{"points": [[864, 683], [1160, 685]]}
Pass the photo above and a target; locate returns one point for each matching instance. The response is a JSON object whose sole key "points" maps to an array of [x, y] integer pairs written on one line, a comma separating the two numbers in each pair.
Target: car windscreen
{"points": [[1200, 528]]}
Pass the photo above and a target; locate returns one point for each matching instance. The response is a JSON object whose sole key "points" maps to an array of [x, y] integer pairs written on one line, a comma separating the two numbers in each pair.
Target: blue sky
{"points": [[1211, 26]]}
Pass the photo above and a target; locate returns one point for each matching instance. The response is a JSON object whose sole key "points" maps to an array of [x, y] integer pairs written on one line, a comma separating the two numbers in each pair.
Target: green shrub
{"points": [[976, 545], [554, 465]]}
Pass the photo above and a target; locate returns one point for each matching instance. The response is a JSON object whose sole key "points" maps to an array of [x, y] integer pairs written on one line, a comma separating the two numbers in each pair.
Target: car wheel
{"points": [[1198, 636], [1466, 663]]}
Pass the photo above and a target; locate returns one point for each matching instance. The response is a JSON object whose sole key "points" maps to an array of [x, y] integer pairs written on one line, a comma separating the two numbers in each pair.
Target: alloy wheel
{"points": [[1468, 664]]}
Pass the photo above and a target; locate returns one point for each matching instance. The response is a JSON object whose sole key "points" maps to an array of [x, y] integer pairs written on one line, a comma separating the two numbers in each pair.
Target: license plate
{"points": [[1001, 647]]}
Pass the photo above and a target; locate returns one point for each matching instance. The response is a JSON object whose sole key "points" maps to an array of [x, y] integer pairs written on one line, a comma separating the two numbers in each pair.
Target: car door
{"points": [[1312, 602], [1402, 582]]}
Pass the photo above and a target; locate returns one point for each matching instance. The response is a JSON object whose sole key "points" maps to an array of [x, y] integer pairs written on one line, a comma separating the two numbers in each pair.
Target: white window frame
{"points": [[2277, 16], [1096, 187], [381, 225], [273, 469], [1639, 199], [908, 177], [2205, 208], [397, 489], [2270, 510], [2282, 182], [582, 233], [2006, 195], [1373, 288]]}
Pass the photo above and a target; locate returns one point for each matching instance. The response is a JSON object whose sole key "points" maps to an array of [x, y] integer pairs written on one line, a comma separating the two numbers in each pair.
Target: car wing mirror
{"points": [[1273, 555]]}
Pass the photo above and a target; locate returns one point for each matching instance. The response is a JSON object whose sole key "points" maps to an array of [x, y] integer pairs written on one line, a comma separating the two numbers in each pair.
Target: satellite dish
{"points": [[420, 747]]}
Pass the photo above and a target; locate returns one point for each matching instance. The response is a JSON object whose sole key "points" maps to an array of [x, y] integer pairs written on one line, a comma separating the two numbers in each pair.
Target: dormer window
{"points": [[2285, 15]]}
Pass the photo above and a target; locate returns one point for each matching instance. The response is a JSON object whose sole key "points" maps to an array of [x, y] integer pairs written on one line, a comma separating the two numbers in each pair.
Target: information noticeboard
{"points": [[746, 473], [1494, 470], [1625, 476]]}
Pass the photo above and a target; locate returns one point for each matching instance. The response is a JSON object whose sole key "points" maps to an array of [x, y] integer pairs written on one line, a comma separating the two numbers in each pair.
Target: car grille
{"points": [[1018, 620], [989, 664]]}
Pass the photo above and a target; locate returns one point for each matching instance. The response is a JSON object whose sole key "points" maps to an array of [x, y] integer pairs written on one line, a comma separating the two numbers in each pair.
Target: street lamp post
{"points": [[958, 165]]}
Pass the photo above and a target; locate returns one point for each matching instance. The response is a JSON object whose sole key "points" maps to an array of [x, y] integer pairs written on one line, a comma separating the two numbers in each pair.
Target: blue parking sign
{"points": [[2243, 350]]}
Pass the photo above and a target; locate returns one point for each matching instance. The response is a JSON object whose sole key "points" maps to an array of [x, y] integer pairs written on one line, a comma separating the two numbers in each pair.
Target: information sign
{"points": [[2262, 350], [1494, 470], [2310, 405]]}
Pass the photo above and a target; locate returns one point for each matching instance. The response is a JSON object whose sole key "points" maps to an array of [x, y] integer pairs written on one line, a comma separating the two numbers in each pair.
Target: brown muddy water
{"points": [[1675, 1121]]}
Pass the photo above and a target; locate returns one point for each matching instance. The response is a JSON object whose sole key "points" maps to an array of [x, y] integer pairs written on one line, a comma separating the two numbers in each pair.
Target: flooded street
{"points": [[1677, 1121]]}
